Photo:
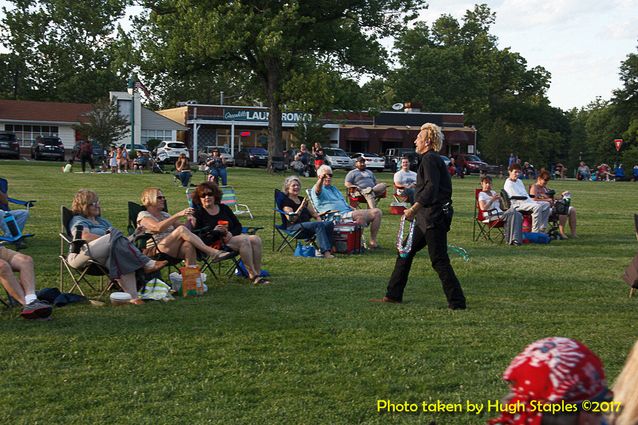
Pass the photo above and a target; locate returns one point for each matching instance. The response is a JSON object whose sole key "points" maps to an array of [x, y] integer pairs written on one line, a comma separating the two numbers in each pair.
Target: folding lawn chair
{"points": [[79, 275], [288, 236], [15, 235], [229, 198], [486, 222], [355, 199]]}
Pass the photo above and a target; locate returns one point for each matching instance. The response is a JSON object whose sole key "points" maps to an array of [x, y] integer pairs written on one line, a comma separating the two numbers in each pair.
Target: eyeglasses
{"points": [[207, 194], [95, 204]]}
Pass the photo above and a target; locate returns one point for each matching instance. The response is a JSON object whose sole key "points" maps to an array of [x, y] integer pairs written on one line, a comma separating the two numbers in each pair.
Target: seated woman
{"points": [[210, 213], [490, 201], [541, 193], [106, 245], [217, 167], [299, 217], [171, 237], [183, 169]]}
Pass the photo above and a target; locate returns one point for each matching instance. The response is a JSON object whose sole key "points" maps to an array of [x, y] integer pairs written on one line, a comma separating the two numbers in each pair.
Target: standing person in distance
{"points": [[433, 212]]}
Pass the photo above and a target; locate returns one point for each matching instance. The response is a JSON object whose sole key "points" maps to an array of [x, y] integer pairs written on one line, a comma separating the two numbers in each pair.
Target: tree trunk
{"points": [[275, 143]]}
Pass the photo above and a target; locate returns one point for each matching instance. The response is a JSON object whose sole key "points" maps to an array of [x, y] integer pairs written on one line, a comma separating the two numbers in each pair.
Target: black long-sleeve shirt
{"points": [[433, 189]]}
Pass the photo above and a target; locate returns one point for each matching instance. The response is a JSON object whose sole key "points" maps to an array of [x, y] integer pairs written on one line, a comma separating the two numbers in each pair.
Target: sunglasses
{"points": [[161, 198], [207, 194], [328, 175], [94, 204]]}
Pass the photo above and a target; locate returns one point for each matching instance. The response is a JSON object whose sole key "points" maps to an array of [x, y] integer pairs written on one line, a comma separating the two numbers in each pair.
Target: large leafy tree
{"points": [[270, 43], [457, 66], [62, 49], [104, 124]]}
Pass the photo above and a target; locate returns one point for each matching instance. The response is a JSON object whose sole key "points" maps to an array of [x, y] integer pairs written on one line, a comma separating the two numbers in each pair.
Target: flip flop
{"points": [[261, 281]]}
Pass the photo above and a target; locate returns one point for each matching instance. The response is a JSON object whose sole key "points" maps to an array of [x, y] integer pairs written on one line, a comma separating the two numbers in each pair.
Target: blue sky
{"points": [[581, 42]]}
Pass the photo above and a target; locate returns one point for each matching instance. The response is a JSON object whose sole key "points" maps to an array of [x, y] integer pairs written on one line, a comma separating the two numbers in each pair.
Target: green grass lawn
{"points": [[310, 348]]}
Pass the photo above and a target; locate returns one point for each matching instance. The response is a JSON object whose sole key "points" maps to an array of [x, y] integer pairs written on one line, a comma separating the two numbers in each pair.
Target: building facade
{"points": [[247, 126]]}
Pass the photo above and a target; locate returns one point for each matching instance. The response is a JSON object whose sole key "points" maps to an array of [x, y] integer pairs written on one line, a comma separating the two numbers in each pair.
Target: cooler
{"points": [[347, 238]]}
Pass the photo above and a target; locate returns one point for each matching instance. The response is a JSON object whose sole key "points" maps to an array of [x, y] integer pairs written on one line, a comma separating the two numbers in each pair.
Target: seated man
{"points": [[583, 171], [24, 290], [20, 216], [405, 180], [521, 201], [365, 183], [325, 197]]}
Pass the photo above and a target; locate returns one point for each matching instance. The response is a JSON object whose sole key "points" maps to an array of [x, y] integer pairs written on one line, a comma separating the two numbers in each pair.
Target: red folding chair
{"points": [[486, 222]]}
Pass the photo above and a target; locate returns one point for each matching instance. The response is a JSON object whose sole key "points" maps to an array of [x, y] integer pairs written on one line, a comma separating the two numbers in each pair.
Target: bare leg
{"points": [[242, 244], [129, 284], [562, 220], [572, 221], [172, 243], [10, 283], [188, 253], [255, 243], [24, 265]]}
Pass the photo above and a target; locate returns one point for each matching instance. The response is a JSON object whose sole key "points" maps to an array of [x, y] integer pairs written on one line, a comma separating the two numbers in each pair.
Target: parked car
{"points": [[47, 147], [252, 157], [474, 164], [446, 160], [374, 162], [337, 158], [169, 150], [224, 151], [393, 158], [139, 147], [9, 146]]}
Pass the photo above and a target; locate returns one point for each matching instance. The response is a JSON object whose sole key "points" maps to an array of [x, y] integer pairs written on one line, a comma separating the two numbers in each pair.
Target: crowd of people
{"points": [[552, 370]]}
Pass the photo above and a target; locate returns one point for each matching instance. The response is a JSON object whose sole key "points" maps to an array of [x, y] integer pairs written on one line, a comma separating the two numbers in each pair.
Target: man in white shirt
{"points": [[405, 180], [520, 200]]}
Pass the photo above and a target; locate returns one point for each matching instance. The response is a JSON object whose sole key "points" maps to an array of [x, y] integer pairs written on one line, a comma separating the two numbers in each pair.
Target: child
{"points": [[113, 160], [68, 167]]}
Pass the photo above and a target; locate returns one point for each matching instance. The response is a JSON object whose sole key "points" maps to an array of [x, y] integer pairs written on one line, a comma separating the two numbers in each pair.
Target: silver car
{"points": [[338, 158], [169, 151]]}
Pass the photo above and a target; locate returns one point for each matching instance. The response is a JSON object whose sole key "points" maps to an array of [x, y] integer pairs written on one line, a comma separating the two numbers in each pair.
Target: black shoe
{"points": [[457, 307]]}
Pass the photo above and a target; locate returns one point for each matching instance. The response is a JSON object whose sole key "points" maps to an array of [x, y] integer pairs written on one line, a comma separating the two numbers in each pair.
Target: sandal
{"points": [[261, 281], [221, 256]]}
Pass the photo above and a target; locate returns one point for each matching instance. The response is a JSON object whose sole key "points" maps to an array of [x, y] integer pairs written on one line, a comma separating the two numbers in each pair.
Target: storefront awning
{"points": [[392, 135], [457, 138], [358, 134]]}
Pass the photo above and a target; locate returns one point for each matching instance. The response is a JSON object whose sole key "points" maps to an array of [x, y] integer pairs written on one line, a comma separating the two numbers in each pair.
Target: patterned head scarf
{"points": [[552, 370]]}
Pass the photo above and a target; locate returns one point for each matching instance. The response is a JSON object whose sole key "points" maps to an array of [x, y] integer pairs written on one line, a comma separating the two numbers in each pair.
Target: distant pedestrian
{"points": [[513, 159], [86, 155]]}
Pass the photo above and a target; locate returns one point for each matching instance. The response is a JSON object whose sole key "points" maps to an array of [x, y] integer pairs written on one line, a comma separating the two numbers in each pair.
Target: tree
{"points": [[268, 41], [104, 124], [66, 48]]}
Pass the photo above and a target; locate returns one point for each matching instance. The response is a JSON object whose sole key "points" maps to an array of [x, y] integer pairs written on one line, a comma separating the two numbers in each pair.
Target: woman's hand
{"points": [[187, 211], [227, 237], [139, 230], [220, 228]]}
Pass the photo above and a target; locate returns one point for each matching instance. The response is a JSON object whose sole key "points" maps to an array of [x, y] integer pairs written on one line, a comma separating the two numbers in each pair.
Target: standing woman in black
{"points": [[433, 212]]}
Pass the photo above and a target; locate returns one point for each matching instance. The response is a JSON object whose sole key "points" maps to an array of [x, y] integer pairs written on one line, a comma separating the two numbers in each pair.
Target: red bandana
{"points": [[551, 370]]}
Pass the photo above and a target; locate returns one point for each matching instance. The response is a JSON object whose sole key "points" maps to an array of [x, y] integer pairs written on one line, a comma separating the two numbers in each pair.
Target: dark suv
{"points": [[9, 145], [252, 157], [47, 147], [393, 158]]}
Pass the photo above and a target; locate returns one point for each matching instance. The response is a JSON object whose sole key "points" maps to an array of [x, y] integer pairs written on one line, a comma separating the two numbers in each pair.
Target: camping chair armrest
{"points": [[492, 213], [287, 214], [250, 230], [66, 238], [27, 204]]}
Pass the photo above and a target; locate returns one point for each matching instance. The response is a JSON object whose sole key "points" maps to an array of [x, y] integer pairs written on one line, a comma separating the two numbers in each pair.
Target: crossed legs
{"points": [[372, 217]]}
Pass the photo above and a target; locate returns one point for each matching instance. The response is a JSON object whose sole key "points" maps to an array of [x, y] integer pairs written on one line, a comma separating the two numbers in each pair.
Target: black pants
{"points": [[85, 159], [436, 241]]}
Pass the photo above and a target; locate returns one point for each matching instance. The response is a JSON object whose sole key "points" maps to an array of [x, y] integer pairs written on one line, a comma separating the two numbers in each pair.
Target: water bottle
{"points": [[10, 222], [189, 197], [77, 243]]}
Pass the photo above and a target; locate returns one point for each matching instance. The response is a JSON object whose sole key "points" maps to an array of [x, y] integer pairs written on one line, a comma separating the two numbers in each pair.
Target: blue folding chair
{"points": [[288, 236], [15, 235]]}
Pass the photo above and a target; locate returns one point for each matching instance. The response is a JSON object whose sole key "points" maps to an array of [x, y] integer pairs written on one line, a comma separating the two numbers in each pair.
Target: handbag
{"points": [[302, 250]]}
